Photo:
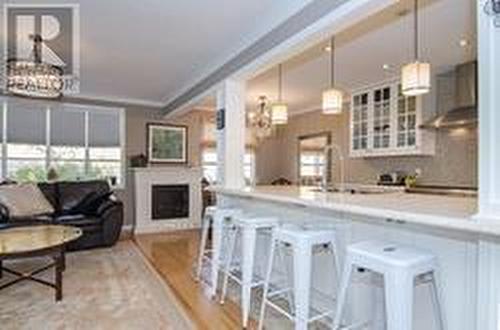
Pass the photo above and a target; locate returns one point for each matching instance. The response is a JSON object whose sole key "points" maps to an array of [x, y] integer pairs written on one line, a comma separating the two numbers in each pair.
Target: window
{"points": [[312, 165], [209, 165], [77, 142]]}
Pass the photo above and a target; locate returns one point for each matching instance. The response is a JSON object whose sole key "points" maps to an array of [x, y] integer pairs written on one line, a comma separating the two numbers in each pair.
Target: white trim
{"points": [[117, 99], [4, 139], [192, 103]]}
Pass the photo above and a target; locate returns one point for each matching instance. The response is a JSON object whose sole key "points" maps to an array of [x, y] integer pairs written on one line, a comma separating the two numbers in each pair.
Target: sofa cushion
{"points": [[24, 200], [79, 220], [71, 194], [50, 192]]}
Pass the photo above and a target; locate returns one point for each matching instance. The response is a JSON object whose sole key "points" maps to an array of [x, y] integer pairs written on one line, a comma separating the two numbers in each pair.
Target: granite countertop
{"points": [[451, 212]]}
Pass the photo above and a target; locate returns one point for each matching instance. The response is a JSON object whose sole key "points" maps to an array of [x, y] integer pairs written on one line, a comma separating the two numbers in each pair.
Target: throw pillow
{"points": [[24, 200]]}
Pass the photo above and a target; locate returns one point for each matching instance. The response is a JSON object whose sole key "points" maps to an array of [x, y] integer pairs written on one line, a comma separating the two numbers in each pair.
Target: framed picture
{"points": [[167, 143]]}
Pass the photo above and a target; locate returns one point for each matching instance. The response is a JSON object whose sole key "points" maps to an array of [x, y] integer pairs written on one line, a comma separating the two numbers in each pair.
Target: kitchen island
{"points": [[465, 246]]}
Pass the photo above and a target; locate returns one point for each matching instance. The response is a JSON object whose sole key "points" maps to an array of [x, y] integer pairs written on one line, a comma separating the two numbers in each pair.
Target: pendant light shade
{"points": [[416, 76], [279, 115], [416, 79], [332, 101], [279, 110], [332, 98]]}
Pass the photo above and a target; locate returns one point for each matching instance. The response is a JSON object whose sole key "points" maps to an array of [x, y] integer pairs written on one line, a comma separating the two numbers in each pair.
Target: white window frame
{"points": [[48, 154]]}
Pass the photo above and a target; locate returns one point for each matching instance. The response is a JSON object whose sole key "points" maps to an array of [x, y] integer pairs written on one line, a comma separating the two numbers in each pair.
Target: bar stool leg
{"points": [[399, 301], [267, 282], [248, 251], [217, 228], [437, 299], [342, 293], [282, 262], [302, 284], [203, 244], [335, 251], [227, 263]]}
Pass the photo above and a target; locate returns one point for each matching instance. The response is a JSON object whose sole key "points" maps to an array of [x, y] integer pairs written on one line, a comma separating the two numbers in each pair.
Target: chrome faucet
{"points": [[336, 148]]}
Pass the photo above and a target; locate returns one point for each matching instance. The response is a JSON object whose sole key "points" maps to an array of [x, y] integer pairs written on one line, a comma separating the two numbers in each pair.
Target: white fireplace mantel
{"points": [[143, 180]]}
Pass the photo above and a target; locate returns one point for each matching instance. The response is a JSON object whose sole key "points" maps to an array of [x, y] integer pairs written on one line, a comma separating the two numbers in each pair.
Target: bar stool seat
{"points": [[400, 266]]}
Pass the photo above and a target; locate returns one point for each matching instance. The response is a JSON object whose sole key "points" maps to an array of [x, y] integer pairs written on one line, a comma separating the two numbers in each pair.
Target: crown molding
{"points": [[115, 99]]}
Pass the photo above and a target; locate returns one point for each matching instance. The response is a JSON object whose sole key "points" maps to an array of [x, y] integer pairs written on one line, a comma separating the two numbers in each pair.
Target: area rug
{"points": [[103, 289]]}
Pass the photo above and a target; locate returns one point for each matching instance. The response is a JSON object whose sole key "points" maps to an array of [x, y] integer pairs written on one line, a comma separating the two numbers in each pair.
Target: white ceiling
{"points": [[363, 50], [152, 50]]}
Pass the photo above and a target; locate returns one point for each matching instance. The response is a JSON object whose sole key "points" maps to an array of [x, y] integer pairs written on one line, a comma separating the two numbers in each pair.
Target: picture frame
{"points": [[167, 143]]}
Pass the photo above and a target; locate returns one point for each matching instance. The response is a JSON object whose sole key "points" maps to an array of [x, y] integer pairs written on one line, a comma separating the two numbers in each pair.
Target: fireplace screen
{"points": [[170, 202]]}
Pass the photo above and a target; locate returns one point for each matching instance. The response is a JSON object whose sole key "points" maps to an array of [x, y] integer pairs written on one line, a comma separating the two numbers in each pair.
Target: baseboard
{"points": [[127, 232]]}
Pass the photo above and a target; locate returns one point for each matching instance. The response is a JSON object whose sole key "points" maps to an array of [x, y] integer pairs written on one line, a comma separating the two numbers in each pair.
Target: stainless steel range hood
{"points": [[464, 112]]}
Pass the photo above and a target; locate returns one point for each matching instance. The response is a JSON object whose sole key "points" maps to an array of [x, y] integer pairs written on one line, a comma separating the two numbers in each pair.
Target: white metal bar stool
{"points": [[219, 219], [400, 266], [248, 227], [302, 240]]}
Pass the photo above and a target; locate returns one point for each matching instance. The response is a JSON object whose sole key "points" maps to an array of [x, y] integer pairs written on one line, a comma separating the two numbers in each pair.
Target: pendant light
{"points": [[279, 110], [332, 98], [416, 76]]}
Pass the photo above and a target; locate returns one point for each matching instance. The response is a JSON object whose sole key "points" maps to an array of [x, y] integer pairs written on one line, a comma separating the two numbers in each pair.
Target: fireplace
{"points": [[169, 201], [168, 193]]}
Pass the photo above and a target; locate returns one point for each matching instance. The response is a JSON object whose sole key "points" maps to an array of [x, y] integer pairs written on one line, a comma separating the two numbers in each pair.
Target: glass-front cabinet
{"points": [[359, 122], [384, 122]]}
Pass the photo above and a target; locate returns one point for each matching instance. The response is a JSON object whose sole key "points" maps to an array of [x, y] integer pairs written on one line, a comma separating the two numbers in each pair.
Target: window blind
{"points": [[104, 128], [26, 122]]}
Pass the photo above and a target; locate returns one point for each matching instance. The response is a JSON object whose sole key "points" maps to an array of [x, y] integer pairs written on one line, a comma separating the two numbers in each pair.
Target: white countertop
{"points": [[430, 210]]}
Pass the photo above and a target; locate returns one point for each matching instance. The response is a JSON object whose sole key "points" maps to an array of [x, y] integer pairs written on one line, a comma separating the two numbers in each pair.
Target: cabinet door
{"points": [[359, 123], [382, 102], [406, 121]]}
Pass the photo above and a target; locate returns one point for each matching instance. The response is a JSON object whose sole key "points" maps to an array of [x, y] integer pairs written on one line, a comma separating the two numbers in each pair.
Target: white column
{"points": [[489, 115], [488, 287], [231, 139]]}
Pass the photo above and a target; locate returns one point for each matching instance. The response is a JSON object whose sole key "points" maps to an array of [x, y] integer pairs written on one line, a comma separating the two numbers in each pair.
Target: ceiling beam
{"points": [[316, 21]]}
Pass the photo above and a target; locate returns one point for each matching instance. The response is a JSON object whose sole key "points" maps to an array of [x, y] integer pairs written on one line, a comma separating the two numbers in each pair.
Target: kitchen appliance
{"points": [[392, 179], [464, 113]]}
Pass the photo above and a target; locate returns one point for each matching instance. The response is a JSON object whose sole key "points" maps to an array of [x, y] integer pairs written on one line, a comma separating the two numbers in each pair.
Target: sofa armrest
{"points": [[111, 214], [4, 213]]}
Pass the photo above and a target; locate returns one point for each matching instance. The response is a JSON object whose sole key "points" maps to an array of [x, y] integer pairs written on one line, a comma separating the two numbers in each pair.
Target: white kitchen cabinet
{"points": [[384, 122]]}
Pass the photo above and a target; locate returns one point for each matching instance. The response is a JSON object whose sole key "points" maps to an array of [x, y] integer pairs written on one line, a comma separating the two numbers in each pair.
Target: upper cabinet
{"points": [[384, 122]]}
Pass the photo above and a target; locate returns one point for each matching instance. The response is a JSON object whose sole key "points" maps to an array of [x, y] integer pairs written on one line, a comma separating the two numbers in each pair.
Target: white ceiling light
{"points": [[416, 76], [279, 110], [332, 98], [463, 42]]}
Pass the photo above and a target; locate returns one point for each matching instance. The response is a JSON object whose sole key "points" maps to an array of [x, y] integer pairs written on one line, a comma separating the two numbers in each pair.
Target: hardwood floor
{"points": [[173, 256]]}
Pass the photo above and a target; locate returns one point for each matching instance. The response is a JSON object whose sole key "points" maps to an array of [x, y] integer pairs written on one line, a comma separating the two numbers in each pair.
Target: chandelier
{"points": [[260, 119], [33, 78]]}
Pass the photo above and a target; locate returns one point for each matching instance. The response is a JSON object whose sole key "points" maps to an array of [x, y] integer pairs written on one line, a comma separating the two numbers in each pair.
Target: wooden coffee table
{"points": [[36, 241]]}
